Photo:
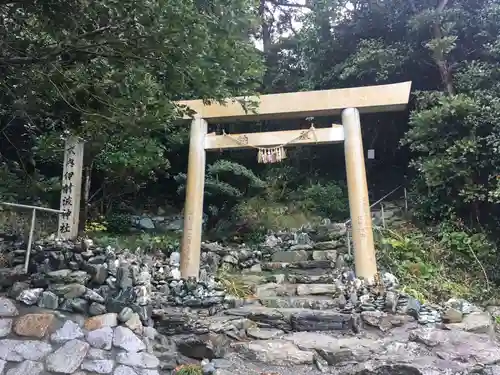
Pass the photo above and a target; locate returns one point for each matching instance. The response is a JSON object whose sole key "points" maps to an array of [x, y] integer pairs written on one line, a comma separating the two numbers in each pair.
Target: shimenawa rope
{"points": [[274, 154]]}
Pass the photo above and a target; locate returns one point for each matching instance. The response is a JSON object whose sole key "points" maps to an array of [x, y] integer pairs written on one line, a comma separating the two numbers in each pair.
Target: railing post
{"points": [[349, 251], [406, 201], [30, 241]]}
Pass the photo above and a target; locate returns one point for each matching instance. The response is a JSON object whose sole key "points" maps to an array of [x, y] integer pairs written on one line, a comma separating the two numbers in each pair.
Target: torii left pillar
{"points": [[193, 209]]}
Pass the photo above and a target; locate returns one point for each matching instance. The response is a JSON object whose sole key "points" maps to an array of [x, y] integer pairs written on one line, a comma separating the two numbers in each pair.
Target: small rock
{"points": [[7, 308], [48, 300], [98, 366], [100, 338], [69, 331], [5, 328], [27, 367], [125, 314], [69, 291], [97, 309], [134, 323], [126, 339], [320, 363], [330, 255], [68, 357], [105, 320], [124, 370], [30, 296], [208, 368], [33, 325], [94, 353], [141, 360], [451, 315], [19, 350], [93, 296]]}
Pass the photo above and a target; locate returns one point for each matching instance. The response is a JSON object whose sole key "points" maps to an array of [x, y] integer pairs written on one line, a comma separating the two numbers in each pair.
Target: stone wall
{"points": [[84, 278], [39, 342]]}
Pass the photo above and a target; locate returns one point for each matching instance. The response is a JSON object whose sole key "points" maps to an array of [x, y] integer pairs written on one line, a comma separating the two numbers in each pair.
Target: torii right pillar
{"points": [[359, 205]]}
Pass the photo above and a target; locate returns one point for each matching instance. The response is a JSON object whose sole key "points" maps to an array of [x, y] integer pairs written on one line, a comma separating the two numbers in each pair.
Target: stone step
{"points": [[286, 289], [305, 264], [292, 276], [294, 256], [311, 276], [298, 319], [300, 302]]}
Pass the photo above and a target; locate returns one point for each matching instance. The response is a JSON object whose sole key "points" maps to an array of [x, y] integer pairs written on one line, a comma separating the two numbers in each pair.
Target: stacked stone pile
{"points": [[307, 268], [308, 299]]}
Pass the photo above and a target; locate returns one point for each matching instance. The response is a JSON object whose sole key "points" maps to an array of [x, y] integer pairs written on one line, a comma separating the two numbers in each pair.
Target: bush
{"points": [[118, 223], [143, 242], [429, 266], [226, 184], [328, 199]]}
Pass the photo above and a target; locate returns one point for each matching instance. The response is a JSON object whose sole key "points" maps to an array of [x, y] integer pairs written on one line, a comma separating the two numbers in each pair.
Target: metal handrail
{"points": [[32, 227], [382, 199], [382, 211]]}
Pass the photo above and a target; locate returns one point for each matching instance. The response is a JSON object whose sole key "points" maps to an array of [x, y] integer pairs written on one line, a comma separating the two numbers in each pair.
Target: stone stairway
{"points": [[303, 277], [309, 277]]}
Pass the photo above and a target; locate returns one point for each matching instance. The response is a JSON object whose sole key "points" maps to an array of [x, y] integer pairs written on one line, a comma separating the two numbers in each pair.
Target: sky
{"points": [[296, 24]]}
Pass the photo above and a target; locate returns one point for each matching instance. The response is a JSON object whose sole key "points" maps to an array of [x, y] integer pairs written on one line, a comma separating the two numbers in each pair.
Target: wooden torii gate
{"points": [[348, 102]]}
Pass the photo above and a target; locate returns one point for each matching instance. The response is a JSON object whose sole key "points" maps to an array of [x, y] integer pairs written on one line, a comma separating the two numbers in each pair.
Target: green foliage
{"points": [[109, 72], [234, 285], [188, 370], [226, 184], [141, 242], [433, 267], [328, 199], [96, 226], [118, 223]]}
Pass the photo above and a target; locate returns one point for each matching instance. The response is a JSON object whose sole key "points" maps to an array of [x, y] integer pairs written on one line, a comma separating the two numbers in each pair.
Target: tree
{"points": [[109, 72]]}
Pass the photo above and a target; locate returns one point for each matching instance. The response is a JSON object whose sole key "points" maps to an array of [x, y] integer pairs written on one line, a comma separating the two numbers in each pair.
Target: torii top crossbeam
{"points": [[368, 99]]}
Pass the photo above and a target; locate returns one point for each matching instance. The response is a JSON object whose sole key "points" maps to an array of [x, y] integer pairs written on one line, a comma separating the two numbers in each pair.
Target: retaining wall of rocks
{"points": [[40, 342]]}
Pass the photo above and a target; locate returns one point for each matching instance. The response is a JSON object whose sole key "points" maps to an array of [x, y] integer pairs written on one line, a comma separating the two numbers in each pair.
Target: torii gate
{"points": [[349, 102]]}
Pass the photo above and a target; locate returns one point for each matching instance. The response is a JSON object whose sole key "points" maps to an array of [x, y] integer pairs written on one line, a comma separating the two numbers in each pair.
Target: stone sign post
{"points": [[71, 188]]}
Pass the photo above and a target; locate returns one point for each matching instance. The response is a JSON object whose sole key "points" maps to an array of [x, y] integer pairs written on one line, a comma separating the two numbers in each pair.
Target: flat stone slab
{"points": [[290, 256], [298, 319], [304, 302], [264, 333], [276, 352], [305, 264], [275, 289], [316, 289]]}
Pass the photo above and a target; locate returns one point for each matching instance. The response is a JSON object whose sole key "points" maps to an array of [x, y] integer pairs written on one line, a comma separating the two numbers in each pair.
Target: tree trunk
{"points": [[86, 195], [266, 28], [443, 66]]}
